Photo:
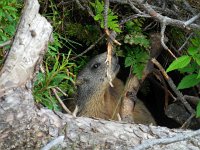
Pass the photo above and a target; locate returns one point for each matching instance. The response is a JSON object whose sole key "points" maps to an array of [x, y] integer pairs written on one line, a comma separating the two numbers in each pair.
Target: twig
{"points": [[134, 8], [54, 142], [150, 26], [149, 9], [179, 137], [186, 41], [165, 11], [5, 43], [173, 87], [189, 7], [187, 122], [190, 21], [108, 61], [109, 44], [111, 37], [79, 4], [193, 99], [106, 7], [65, 94], [60, 101], [163, 27], [62, 3], [131, 17], [90, 11], [75, 111], [89, 48]]}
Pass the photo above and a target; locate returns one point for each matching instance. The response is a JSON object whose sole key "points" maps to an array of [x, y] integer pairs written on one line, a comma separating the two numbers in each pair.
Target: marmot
{"points": [[95, 96]]}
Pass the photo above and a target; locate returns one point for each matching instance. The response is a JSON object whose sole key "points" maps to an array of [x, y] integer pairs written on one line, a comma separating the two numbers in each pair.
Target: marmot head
{"points": [[93, 80]]}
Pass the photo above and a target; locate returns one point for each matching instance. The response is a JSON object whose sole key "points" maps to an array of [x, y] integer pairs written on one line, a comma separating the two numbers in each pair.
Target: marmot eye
{"points": [[96, 65]]}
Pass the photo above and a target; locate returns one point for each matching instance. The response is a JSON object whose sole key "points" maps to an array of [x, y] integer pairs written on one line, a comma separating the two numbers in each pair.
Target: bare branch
{"points": [[106, 7], [89, 48], [186, 41], [164, 11], [135, 8], [60, 101], [190, 21], [192, 99], [179, 137], [131, 17], [189, 7], [173, 87], [163, 27], [149, 9], [79, 4], [57, 88], [5, 43], [75, 111], [187, 122]]}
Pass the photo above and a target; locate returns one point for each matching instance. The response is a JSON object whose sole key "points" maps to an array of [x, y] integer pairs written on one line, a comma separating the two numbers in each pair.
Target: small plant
{"points": [[112, 19], [135, 35], [188, 64], [137, 47], [137, 58], [60, 75], [59, 70], [9, 16]]}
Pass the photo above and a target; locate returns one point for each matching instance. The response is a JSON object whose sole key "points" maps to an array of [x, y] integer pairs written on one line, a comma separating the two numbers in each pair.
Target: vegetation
{"points": [[9, 16], [112, 19], [137, 45], [75, 30]]}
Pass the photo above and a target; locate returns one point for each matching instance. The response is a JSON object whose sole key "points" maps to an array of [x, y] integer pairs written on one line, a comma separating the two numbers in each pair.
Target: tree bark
{"points": [[23, 126]]}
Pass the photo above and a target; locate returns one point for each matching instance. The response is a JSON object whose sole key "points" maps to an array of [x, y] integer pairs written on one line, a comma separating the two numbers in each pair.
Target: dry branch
{"points": [[155, 15], [173, 87], [90, 47]]}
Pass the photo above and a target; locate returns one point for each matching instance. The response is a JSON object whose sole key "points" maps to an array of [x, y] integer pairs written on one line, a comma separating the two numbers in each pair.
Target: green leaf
{"points": [[198, 110], [198, 76], [128, 61], [180, 62], [52, 48], [9, 8], [57, 79], [195, 41], [192, 50], [197, 58], [187, 69], [97, 17], [189, 81], [137, 38], [99, 6], [138, 70]]}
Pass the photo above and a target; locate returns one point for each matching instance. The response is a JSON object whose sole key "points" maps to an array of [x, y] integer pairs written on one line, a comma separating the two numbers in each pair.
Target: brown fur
{"points": [[103, 101], [105, 105], [142, 115]]}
